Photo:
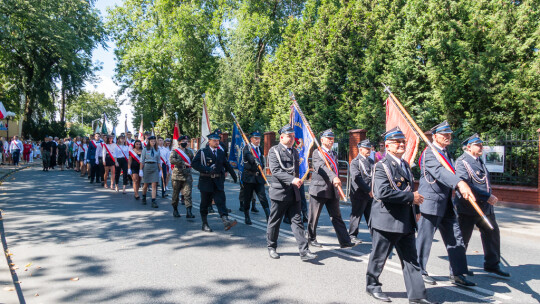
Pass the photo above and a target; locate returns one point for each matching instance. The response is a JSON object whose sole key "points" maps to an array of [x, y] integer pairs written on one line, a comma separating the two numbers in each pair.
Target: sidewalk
{"points": [[8, 291]]}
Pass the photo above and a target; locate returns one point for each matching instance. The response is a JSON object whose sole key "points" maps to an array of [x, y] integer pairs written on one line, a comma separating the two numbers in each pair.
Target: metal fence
{"points": [[511, 158]]}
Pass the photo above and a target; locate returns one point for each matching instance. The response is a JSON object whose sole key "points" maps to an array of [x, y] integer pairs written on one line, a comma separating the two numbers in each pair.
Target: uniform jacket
{"points": [[322, 177], [205, 162], [251, 172], [361, 171], [478, 180], [181, 171], [436, 185], [148, 157], [91, 151], [285, 167], [392, 209]]}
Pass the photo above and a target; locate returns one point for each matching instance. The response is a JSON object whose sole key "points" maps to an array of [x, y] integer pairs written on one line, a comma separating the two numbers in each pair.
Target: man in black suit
{"points": [[471, 169], [212, 163], [361, 195], [393, 220], [436, 185], [284, 194], [251, 176], [323, 192]]}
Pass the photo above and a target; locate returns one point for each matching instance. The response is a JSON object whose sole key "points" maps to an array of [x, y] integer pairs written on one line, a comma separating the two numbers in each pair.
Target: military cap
{"points": [[147, 133], [255, 134], [167, 140], [328, 133], [213, 135], [474, 139], [365, 144], [442, 128], [286, 129], [393, 134], [151, 137], [217, 131], [183, 137]]}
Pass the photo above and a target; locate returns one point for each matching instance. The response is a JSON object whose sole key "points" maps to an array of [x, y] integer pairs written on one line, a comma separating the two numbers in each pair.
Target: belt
{"points": [[215, 175], [256, 173]]}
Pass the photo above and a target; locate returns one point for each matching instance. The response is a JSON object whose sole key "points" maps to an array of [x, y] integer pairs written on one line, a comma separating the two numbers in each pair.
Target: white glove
{"points": [[129, 171], [97, 162], [140, 173], [84, 162]]}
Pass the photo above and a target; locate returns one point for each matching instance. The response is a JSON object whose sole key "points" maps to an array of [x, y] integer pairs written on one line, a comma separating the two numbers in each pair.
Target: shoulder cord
{"points": [[394, 186], [203, 158], [288, 170], [424, 170], [475, 177], [363, 167]]}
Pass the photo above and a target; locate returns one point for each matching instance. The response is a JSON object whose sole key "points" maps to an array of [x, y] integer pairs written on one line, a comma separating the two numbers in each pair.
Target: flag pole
{"points": [[246, 141], [295, 103], [421, 134]]}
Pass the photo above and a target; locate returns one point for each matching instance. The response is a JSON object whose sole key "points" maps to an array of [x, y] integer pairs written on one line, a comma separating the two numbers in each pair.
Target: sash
{"points": [[255, 152], [110, 154], [82, 147], [421, 160], [122, 151], [184, 156], [221, 148], [164, 162], [331, 161], [134, 156], [144, 143]]}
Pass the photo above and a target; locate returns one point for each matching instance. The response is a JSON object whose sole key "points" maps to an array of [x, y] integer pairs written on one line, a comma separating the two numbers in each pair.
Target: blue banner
{"points": [[235, 155], [303, 140]]}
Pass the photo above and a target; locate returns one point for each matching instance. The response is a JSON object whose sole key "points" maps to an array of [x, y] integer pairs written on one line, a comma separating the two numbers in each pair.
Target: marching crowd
{"points": [[13, 151], [382, 191]]}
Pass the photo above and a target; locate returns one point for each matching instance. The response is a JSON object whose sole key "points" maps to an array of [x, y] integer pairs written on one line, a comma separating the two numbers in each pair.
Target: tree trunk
{"points": [[28, 111], [63, 106]]}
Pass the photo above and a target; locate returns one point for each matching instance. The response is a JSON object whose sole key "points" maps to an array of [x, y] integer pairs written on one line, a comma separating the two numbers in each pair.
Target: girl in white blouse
{"points": [[108, 153]]}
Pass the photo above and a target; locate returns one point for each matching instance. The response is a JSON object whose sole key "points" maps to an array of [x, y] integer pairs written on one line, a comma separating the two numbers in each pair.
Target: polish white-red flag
{"points": [[141, 130], [395, 118], [205, 126], [3, 112], [176, 135]]}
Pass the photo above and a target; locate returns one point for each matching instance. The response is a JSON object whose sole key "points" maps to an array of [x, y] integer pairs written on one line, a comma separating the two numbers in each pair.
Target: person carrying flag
{"points": [[436, 185], [322, 192], [212, 164], [182, 180], [251, 176]]}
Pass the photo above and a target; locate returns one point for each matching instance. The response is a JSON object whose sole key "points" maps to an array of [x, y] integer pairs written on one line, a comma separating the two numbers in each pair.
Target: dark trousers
{"points": [[451, 235], [491, 239], [15, 155], [258, 188], [332, 206], [303, 202], [206, 201], [96, 170], [382, 244], [292, 209], [122, 166], [360, 205]]}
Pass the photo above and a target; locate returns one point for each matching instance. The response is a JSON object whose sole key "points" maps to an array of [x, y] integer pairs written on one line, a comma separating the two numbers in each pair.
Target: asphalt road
{"points": [[78, 243]]}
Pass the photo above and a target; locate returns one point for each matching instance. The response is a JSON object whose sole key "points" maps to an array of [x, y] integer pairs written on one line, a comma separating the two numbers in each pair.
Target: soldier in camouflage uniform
{"points": [[182, 180]]}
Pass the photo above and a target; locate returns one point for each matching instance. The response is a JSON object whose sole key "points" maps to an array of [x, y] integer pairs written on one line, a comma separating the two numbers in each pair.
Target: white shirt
{"points": [[122, 151], [165, 153], [112, 148], [99, 148], [15, 145]]}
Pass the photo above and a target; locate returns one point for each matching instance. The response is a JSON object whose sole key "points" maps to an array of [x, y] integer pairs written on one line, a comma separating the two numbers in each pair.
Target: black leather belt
{"points": [[256, 173], [215, 175]]}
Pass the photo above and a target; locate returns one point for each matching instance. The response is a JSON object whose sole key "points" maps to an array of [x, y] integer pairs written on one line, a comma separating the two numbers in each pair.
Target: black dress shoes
{"points": [[176, 213], [206, 228], [498, 271], [273, 254], [470, 273], [461, 280], [429, 280], [308, 256], [381, 296], [314, 243], [421, 301], [347, 245]]}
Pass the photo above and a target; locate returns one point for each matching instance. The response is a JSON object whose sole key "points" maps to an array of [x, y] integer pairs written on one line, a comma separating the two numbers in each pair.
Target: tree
{"points": [[90, 106]]}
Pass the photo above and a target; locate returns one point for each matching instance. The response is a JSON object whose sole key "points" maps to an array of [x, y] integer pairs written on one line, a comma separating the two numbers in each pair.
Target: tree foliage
{"points": [[474, 63]]}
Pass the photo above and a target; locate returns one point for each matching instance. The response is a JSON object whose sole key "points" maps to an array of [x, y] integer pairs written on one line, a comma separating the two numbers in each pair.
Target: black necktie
{"points": [[215, 153], [404, 168], [289, 149]]}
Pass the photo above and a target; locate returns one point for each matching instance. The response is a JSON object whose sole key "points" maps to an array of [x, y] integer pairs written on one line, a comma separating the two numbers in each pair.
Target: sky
{"points": [[106, 84]]}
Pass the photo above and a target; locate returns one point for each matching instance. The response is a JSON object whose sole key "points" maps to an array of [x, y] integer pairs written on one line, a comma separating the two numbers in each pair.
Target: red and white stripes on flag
{"points": [[176, 135], [3, 112], [395, 118]]}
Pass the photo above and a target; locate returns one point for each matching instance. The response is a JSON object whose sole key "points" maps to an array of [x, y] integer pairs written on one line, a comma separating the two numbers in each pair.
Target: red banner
{"points": [[395, 118]]}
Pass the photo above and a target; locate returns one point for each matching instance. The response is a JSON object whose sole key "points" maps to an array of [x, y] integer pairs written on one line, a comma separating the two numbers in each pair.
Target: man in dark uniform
{"points": [[436, 185], [393, 220], [91, 158], [212, 163], [471, 169], [223, 147], [361, 195], [284, 163], [323, 192], [182, 181], [251, 176]]}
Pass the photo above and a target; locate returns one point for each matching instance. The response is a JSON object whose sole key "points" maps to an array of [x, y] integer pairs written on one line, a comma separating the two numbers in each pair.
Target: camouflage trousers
{"points": [[184, 187]]}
